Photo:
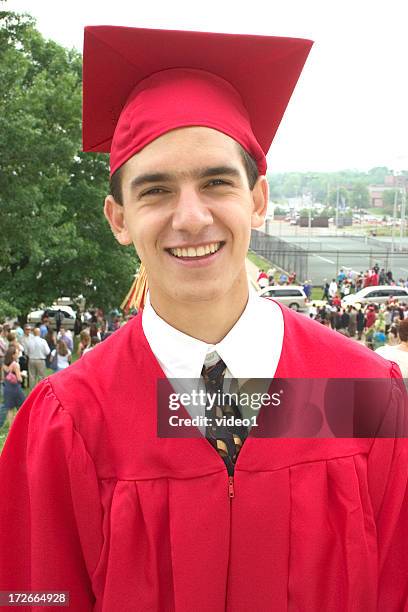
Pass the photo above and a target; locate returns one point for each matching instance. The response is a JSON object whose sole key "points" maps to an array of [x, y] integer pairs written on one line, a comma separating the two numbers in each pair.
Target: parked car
{"points": [[290, 295], [68, 322], [376, 295]]}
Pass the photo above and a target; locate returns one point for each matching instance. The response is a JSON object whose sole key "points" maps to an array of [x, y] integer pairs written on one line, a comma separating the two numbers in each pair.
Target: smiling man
{"points": [[99, 505], [187, 206]]}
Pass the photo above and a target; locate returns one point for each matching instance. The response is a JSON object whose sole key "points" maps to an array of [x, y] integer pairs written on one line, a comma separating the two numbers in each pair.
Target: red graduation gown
{"points": [[95, 504]]}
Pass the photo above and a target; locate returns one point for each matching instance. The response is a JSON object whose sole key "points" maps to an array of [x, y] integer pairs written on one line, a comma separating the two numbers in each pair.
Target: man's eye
{"points": [[154, 191], [216, 182]]}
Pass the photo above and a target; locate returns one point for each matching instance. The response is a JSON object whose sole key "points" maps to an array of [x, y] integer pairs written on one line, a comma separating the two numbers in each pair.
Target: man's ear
{"points": [[114, 213], [260, 197]]}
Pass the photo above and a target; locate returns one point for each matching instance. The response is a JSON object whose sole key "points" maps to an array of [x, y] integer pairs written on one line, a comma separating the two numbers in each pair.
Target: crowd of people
{"points": [[26, 353], [382, 327]]}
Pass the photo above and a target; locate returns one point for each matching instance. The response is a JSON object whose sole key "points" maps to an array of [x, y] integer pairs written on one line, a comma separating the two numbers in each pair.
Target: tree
{"points": [[54, 240], [360, 196], [343, 197], [388, 197]]}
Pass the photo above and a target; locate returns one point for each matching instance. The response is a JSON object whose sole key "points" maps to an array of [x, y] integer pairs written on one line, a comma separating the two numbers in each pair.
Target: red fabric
{"points": [[237, 84], [178, 98], [262, 275], [370, 318], [94, 503]]}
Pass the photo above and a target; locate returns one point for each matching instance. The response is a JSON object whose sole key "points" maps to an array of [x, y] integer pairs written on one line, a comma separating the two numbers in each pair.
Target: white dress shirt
{"points": [[251, 349]]}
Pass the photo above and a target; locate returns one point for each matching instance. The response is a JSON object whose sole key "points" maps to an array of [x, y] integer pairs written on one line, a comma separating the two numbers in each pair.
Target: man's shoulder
{"points": [[330, 352], [119, 353]]}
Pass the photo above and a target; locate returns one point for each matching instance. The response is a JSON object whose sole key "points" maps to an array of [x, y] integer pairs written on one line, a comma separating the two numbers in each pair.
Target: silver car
{"points": [[68, 320], [379, 294], [290, 295]]}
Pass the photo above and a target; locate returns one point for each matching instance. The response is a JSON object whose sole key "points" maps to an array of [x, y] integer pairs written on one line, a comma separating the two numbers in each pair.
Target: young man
{"points": [[97, 503]]}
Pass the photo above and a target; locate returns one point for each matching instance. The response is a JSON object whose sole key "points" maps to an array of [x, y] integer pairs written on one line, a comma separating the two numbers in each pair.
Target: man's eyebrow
{"points": [[157, 177], [162, 177], [218, 170]]}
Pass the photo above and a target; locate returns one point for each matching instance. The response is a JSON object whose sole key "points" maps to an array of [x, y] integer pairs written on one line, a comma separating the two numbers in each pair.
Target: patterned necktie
{"points": [[226, 439]]}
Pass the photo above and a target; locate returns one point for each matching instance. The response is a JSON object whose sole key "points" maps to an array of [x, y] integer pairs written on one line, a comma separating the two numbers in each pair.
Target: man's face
{"points": [[27, 331], [188, 209]]}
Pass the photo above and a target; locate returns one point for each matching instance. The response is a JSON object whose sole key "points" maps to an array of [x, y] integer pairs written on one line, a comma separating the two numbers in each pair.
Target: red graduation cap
{"points": [[141, 83]]}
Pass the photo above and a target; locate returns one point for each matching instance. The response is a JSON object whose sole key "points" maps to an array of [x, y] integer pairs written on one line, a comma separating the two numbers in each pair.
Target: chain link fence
{"points": [[320, 264]]}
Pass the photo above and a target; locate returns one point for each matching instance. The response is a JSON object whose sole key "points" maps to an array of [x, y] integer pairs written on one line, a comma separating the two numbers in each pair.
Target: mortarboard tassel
{"points": [[136, 295]]}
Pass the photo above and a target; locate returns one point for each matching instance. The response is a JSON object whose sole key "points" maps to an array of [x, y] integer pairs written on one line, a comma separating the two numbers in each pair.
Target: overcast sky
{"points": [[350, 107]]}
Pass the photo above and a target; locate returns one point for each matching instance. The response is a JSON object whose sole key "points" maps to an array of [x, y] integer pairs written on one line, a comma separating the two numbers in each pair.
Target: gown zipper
{"points": [[231, 491]]}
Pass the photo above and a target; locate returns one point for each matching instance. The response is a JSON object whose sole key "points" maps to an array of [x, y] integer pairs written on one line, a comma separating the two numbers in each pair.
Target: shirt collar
{"points": [[251, 349]]}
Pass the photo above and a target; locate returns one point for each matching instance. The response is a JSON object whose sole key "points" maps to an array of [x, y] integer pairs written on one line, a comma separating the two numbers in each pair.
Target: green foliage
{"points": [[322, 187], [279, 211], [388, 197], [54, 240], [360, 196], [7, 311]]}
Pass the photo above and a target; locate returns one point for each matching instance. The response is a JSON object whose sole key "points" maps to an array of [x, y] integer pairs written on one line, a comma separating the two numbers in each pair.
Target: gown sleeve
{"points": [[388, 484], [50, 509]]}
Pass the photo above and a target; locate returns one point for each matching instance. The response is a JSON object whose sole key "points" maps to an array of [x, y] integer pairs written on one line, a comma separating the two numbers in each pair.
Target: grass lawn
{"points": [[259, 261]]}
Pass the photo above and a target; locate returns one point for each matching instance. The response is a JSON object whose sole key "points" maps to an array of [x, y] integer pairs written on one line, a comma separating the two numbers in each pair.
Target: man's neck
{"points": [[208, 321]]}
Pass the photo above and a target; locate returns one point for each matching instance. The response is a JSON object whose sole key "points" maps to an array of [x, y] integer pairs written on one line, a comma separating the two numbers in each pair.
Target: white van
{"points": [[290, 295]]}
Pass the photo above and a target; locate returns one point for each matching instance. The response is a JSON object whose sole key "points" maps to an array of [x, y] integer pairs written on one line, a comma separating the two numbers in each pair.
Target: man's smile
{"points": [[204, 253], [196, 251]]}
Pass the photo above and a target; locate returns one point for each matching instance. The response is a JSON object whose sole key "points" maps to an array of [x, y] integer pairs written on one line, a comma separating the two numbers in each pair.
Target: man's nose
{"points": [[191, 214]]}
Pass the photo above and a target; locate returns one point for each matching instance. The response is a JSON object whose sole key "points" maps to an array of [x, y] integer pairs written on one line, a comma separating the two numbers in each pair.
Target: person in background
{"points": [[94, 341], [61, 356], [336, 301], [332, 288], [45, 322], [326, 295], [59, 318], [94, 331], [271, 276], [341, 276], [262, 279], [77, 324], [352, 325], [360, 321], [13, 393], [37, 351], [51, 340], [24, 358], [18, 329], [13, 340], [3, 349], [84, 342], [66, 337], [307, 288], [387, 319], [399, 352]]}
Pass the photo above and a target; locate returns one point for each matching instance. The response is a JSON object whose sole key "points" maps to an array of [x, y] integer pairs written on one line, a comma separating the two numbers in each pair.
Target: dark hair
{"points": [[9, 356], [251, 170], [403, 330]]}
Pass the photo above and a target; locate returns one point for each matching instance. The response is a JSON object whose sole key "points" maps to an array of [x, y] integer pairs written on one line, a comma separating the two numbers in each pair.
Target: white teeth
{"points": [[196, 252]]}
